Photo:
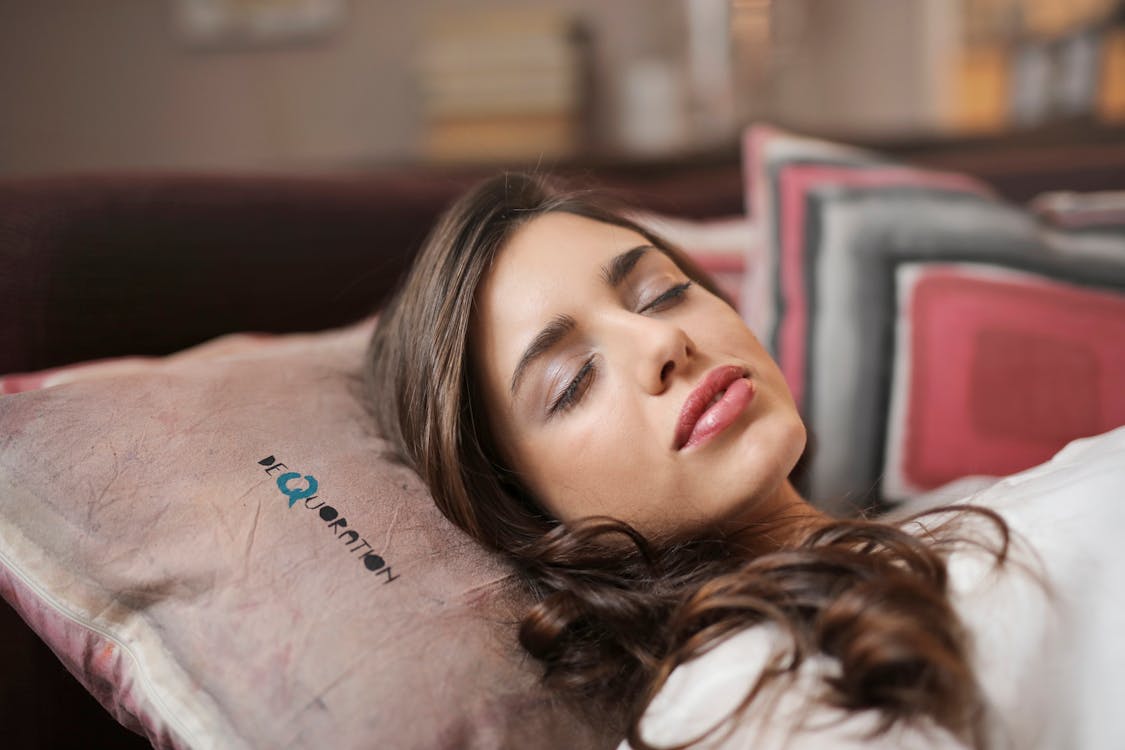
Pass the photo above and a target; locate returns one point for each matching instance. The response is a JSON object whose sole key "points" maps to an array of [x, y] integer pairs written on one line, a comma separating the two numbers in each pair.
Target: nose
{"points": [[658, 351]]}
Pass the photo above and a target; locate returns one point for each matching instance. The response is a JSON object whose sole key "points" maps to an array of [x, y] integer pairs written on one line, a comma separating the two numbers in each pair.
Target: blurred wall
{"points": [[864, 67], [106, 84]]}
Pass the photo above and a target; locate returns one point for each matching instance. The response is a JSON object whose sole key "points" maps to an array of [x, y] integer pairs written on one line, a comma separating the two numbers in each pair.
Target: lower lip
{"points": [[722, 413]]}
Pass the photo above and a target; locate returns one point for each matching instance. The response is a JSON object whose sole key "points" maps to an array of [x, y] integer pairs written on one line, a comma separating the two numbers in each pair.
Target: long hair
{"points": [[615, 612]]}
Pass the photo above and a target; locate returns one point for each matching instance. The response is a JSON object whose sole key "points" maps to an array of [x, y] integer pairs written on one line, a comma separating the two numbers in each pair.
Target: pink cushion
{"points": [[996, 369]]}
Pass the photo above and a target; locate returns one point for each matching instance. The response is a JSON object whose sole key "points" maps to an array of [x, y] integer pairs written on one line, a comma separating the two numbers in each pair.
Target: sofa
{"points": [[97, 267]]}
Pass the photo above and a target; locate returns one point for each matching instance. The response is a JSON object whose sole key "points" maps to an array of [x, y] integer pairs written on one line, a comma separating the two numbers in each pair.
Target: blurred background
{"points": [[356, 85]]}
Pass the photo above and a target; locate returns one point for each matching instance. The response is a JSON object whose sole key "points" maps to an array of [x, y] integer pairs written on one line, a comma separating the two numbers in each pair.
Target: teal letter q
{"points": [[296, 494]]}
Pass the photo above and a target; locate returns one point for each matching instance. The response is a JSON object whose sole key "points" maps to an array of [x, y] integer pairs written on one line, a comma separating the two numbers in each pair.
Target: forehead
{"points": [[561, 241], [554, 258], [549, 266]]}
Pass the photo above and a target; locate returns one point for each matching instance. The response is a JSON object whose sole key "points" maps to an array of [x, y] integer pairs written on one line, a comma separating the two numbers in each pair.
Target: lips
{"points": [[716, 402]]}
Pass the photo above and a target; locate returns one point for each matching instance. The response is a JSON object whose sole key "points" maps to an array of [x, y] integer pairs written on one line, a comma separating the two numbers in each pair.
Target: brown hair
{"points": [[617, 612]]}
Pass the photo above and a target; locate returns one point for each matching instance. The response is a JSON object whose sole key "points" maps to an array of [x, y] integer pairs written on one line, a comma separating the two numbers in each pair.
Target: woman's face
{"points": [[616, 387]]}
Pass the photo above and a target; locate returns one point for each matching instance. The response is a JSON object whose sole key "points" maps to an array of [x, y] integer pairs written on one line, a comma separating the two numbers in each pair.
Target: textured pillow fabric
{"points": [[234, 343], [33, 381], [217, 547], [837, 222]]}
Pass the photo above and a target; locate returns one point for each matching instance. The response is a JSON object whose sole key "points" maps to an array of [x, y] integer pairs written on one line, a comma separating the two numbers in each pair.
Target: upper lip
{"points": [[697, 402]]}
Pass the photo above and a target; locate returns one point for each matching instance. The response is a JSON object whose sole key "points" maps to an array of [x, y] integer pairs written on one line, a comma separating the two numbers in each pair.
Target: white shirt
{"points": [[1048, 631]]}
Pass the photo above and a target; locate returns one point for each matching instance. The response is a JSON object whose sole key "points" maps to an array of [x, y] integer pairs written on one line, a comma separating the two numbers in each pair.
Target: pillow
{"points": [[993, 368], [835, 223], [235, 343], [1102, 211], [763, 148], [218, 548]]}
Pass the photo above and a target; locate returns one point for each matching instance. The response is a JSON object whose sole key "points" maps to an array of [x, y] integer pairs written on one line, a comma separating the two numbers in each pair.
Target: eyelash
{"points": [[661, 303], [575, 390], [578, 386]]}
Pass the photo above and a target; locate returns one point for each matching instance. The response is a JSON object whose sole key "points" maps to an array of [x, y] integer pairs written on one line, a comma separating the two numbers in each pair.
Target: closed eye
{"points": [[575, 389], [583, 379], [667, 299]]}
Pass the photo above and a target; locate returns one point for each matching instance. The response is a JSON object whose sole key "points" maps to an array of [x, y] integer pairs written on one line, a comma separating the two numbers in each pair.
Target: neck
{"points": [[780, 522]]}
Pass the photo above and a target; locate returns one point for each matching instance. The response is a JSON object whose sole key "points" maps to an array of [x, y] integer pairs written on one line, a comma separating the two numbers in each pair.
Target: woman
{"points": [[579, 396]]}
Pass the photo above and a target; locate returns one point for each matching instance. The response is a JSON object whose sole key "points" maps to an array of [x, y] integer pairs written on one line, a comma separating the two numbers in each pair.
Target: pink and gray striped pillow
{"points": [[836, 223]]}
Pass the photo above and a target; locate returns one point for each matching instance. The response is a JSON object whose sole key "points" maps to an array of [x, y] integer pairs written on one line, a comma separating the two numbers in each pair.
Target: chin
{"points": [[782, 433], [771, 452], [798, 441]]}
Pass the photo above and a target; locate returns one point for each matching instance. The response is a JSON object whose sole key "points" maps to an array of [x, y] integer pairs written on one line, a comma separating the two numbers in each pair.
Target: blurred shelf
{"points": [[1076, 155]]}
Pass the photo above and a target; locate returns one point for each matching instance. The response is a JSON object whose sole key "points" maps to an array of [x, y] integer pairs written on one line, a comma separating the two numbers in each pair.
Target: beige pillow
{"points": [[217, 547]]}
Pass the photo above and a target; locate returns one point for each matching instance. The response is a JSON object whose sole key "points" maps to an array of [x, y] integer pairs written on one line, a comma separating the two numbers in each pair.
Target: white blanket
{"points": [[1050, 658]]}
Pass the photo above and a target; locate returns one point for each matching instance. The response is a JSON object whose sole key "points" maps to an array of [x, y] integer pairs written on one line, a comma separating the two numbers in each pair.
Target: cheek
{"points": [[726, 332], [595, 465], [710, 313], [722, 332]]}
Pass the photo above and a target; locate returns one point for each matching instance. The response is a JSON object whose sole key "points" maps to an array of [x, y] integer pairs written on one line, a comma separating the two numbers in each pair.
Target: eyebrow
{"points": [[617, 269], [613, 273], [552, 334]]}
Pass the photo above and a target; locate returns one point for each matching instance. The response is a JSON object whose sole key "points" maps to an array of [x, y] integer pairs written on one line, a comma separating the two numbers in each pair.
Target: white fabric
{"points": [[1048, 630]]}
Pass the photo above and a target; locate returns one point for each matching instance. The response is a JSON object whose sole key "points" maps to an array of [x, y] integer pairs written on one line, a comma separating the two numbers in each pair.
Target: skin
{"points": [[611, 452]]}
